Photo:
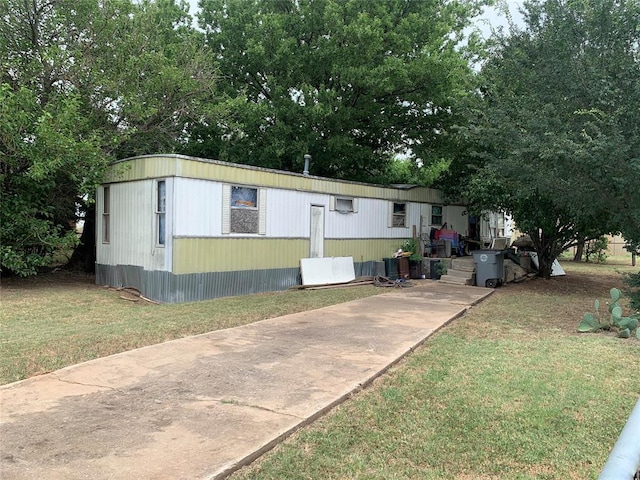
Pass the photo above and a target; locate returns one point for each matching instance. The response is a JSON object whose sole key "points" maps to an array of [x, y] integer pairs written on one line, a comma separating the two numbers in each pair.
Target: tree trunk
{"points": [[579, 252], [545, 265], [547, 251], [84, 256]]}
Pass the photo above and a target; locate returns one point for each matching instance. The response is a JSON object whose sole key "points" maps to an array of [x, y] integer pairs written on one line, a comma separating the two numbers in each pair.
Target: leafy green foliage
{"points": [[406, 171], [557, 125], [350, 82], [632, 247], [411, 245], [596, 249], [48, 159], [632, 281], [441, 268], [82, 83]]}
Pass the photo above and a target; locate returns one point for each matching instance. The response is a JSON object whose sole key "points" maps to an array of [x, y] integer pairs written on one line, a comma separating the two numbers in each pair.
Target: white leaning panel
{"points": [[323, 271]]}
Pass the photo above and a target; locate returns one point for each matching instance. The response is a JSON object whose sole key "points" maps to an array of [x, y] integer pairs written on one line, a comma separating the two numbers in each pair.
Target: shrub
{"points": [[632, 280], [596, 248]]}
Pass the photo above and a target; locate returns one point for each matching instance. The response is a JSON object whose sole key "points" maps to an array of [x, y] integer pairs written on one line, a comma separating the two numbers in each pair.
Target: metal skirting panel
{"points": [[368, 269], [202, 286], [167, 287]]}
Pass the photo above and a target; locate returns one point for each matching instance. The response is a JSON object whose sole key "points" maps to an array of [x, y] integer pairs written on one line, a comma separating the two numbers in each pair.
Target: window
{"points": [[343, 204], [244, 197], [436, 215], [399, 215], [244, 210], [161, 212], [106, 209]]}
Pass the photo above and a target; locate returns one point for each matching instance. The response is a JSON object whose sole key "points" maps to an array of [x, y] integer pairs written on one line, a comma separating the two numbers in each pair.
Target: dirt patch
{"points": [[51, 279], [571, 284], [560, 302]]}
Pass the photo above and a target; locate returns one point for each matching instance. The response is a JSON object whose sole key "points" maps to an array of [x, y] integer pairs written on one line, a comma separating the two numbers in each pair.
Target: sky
{"points": [[494, 17]]}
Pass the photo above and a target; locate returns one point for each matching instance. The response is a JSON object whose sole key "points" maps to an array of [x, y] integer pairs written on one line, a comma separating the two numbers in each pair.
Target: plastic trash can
{"points": [[489, 267], [391, 268]]}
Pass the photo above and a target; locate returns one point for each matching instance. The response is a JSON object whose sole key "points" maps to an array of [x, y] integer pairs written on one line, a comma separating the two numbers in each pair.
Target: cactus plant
{"points": [[589, 323], [625, 326], [615, 294]]}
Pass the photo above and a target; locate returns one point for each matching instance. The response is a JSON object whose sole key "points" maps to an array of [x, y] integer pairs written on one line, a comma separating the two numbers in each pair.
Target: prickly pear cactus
{"points": [[615, 295], [624, 333], [588, 323], [625, 326]]}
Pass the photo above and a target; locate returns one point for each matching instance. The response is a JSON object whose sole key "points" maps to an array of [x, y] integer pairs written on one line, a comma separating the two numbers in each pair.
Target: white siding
{"points": [[289, 212], [371, 221], [199, 213], [133, 226], [198, 208]]}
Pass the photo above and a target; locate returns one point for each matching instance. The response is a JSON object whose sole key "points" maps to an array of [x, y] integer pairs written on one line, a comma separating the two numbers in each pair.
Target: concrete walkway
{"points": [[203, 406]]}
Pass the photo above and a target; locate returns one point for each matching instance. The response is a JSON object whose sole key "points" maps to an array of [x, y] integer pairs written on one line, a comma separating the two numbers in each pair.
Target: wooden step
{"points": [[465, 264], [456, 280], [459, 273]]}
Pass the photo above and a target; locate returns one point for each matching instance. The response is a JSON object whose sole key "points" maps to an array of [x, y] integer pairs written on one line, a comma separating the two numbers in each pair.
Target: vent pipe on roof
{"points": [[307, 160]]}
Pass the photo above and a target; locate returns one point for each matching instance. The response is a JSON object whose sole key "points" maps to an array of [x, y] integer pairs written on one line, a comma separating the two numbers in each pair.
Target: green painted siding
{"points": [[142, 168], [156, 166], [195, 255]]}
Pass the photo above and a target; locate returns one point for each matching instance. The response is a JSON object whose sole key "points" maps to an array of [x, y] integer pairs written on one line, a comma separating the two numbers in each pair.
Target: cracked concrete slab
{"points": [[202, 406]]}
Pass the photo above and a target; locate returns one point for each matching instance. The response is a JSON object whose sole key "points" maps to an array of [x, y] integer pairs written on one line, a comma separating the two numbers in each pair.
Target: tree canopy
{"points": [[554, 138], [83, 83], [351, 82]]}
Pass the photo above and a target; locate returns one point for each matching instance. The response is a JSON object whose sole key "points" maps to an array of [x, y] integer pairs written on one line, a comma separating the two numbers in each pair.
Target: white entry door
{"points": [[316, 242]]}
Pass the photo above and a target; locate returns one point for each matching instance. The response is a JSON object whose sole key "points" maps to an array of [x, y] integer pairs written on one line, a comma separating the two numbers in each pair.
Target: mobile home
{"points": [[182, 229]]}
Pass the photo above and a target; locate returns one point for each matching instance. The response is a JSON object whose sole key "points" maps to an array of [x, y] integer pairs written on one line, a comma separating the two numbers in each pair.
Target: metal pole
{"points": [[307, 160], [624, 459]]}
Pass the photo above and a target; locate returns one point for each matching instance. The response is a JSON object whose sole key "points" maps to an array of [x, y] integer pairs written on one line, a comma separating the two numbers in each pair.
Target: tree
{"points": [[403, 171], [44, 166], [555, 134], [351, 82], [84, 83]]}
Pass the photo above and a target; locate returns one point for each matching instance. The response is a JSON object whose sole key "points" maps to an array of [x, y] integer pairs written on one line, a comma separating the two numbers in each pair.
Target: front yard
{"points": [[508, 391]]}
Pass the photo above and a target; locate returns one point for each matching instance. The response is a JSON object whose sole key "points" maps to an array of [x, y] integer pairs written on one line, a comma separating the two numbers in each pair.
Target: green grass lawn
{"points": [[508, 391], [58, 320]]}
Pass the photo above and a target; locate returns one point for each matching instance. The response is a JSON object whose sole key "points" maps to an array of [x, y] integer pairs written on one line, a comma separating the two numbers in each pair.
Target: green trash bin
{"points": [[391, 268], [489, 267]]}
